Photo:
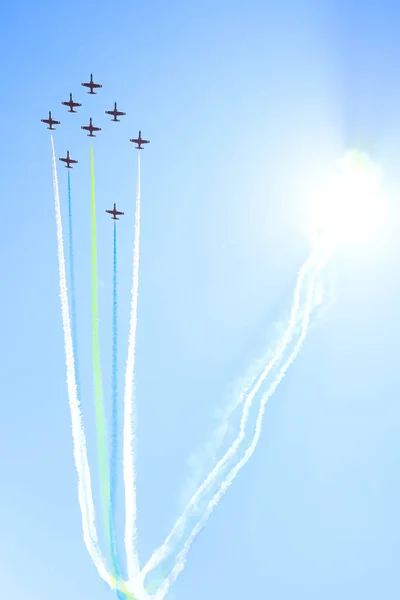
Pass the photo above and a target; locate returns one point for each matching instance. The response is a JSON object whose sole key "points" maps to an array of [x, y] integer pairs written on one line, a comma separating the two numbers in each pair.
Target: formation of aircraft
{"points": [[68, 160], [115, 112], [90, 128], [50, 121], [139, 141], [71, 104], [114, 212], [91, 85]]}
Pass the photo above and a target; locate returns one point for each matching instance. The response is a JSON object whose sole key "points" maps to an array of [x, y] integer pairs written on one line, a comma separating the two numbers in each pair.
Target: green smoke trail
{"points": [[101, 429]]}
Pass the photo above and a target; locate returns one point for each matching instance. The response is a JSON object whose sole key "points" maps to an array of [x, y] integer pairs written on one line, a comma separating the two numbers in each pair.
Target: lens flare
{"points": [[351, 206]]}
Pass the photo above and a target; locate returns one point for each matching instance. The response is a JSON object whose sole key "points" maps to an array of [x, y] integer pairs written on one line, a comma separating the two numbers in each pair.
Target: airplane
{"points": [[139, 141], [91, 128], [71, 104], [68, 160], [91, 85], [50, 121], [115, 112], [114, 212]]}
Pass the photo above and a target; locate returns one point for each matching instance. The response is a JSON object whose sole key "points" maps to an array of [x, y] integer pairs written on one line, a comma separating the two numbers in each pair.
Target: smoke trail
{"points": [[114, 422], [181, 558], [85, 495], [102, 454], [72, 293], [72, 276], [165, 549], [129, 412]]}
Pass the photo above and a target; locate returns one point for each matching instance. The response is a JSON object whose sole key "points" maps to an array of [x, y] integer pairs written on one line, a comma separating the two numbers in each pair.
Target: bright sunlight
{"points": [[350, 207]]}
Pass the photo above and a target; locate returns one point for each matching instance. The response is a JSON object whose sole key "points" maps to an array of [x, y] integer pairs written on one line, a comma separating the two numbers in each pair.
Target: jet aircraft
{"points": [[71, 104], [114, 212], [91, 85], [115, 112], [68, 160], [50, 121], [139, 141], [90, 128]]}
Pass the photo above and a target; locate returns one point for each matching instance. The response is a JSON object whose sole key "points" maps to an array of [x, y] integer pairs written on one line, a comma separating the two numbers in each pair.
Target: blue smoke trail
{"points": [[114, 422]]}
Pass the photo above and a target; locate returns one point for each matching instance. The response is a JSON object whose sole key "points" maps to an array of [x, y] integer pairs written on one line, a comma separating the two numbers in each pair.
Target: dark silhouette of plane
{"points": [[90, 128], [71, 104], [68, 160], [114, 212], [91, 85], [50, 121], [139, 141], [115, 112]]}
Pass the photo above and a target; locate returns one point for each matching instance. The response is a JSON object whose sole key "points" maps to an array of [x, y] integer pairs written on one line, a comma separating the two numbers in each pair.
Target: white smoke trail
{"points": [[165, 549], [181, 558], [132, 558], [79, 441]]}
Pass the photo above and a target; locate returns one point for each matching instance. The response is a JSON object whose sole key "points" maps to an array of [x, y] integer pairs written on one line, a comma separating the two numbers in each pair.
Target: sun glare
{"points": [[351, 206]]}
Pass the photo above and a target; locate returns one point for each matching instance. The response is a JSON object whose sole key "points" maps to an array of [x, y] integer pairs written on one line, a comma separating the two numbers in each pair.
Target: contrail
{"points": [[165, 549], [85, 495], [181, 558], [132, 558]]}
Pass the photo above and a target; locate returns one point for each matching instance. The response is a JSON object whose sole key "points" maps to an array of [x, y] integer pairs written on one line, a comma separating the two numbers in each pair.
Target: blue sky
{"points": [[245, 104]]}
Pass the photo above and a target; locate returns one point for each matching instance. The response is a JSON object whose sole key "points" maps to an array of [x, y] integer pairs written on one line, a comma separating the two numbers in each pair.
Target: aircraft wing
{"points": [[117, 212]]}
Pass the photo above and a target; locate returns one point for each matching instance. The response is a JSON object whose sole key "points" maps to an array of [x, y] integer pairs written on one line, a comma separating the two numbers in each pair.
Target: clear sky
{"points": [[245, 104]]}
